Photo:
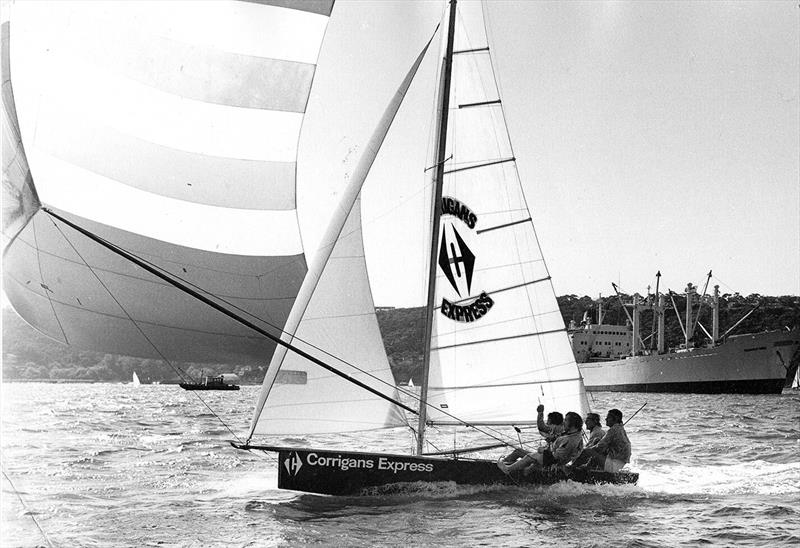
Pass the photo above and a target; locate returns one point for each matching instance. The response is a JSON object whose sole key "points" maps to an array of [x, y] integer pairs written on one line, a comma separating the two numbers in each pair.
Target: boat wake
{"points": [[753, 477], [452, 490]]}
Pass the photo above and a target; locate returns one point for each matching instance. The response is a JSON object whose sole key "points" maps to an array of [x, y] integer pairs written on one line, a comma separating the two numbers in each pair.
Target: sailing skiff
{"points": [[495, 343]]}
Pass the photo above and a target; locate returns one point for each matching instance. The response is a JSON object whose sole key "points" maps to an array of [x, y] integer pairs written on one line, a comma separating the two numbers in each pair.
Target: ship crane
{"points": [[637, 304], [623, 359]]}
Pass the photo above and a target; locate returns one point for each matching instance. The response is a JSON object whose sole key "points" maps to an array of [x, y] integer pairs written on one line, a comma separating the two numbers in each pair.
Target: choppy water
{"points": [[118, 465]]}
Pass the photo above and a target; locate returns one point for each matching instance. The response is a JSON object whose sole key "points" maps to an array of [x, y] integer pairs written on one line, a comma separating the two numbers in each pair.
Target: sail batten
{"points": [[490, 386], [499, 346], [505, 225], [480, 104], [480, 165], [484, 341]]}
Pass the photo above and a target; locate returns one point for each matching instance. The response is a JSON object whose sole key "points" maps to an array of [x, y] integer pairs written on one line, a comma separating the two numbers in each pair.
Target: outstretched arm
{"points": [[543, 428]]}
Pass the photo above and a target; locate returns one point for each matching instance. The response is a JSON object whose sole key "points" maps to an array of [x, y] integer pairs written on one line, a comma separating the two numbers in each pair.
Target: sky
{"points": [[649, 136]]}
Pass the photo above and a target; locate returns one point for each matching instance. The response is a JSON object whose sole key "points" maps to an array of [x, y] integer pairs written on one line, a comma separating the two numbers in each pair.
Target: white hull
{"points": [[752, 363]]}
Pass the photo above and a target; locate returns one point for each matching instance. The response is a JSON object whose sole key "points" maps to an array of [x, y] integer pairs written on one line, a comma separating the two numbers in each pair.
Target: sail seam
{"points": [[153, 324], [43, 284], [484, 423], [358, 315], [503, 384], [501, 338], [485, 164], [155, 282], [291, 260], [512, 223]]}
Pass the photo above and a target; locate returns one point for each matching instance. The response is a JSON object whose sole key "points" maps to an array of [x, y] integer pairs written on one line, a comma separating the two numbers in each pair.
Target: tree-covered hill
{"points": [[28, 355]]}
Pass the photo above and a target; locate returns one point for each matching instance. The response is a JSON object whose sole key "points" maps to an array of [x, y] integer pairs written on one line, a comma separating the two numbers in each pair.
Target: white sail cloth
{"points": [[170, 129], [334, 320], [494, 362], [19, 198], [339, 320]]}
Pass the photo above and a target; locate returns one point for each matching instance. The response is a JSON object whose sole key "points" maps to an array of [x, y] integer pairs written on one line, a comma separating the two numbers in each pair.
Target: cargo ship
{"points": [[615, 358]]}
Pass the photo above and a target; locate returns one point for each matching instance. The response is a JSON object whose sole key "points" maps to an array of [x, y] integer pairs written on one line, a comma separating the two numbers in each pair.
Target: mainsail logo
{"points": [[457, 261], [293, 463]]}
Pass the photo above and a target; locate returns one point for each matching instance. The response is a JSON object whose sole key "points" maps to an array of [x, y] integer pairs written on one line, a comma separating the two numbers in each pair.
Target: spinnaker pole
{"points": [[171, 280], [436, 211]]}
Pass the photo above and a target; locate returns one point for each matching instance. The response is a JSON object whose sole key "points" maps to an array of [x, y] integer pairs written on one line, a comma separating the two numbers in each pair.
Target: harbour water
{"points": [[150, 465]]}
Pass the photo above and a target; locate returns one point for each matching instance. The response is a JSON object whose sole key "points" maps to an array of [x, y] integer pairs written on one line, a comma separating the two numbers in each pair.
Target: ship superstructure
{"points": [[618, 358]]}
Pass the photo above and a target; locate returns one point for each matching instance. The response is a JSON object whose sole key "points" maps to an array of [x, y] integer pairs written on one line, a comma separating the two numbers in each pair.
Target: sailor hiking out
{"points": [[564, 443], [613, 451], [596, 431]]}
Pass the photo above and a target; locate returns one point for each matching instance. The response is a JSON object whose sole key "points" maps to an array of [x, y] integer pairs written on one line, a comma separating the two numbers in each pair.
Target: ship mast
{"points": [[436, 211]]}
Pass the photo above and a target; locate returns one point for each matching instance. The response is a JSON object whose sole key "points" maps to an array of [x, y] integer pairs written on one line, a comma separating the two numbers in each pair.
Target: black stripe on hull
{"points": [[750, 386], [353, 473]]}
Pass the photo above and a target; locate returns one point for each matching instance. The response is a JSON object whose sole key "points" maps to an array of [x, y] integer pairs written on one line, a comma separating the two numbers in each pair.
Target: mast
{"points": [[436, 210], [600, 309], [660, 310], [690, 291], [635, 326], [715, 317]]}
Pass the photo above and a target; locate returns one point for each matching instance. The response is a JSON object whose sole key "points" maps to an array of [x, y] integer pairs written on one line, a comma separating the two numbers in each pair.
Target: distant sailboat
{"points": [[135, 380], [411, 383]]}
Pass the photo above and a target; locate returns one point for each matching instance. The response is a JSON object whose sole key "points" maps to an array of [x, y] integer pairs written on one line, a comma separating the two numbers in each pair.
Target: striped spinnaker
{"points": [[170, 129]]}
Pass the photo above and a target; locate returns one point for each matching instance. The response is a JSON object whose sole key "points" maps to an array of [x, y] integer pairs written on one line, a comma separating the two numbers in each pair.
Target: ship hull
{"points": [[744, 364], [360, 473]]}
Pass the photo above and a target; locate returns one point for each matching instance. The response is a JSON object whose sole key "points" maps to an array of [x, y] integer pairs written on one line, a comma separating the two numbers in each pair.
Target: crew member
{"points": [[613, 451], [596, 431], [562, 450], [549, 430]]}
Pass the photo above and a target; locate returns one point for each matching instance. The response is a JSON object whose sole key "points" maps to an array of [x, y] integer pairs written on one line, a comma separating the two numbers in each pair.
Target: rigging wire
{"points": [[46, 289], [491, 432], [27, 510], [175, 368]]}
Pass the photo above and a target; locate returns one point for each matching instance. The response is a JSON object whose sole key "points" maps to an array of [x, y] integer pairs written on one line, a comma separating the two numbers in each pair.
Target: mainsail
{"points": [[498, 346], [170, 129]]}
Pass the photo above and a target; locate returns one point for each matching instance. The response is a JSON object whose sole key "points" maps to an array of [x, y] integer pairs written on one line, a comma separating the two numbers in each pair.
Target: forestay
{"points": [[333, 319], [499, 347], [170, 129]]}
